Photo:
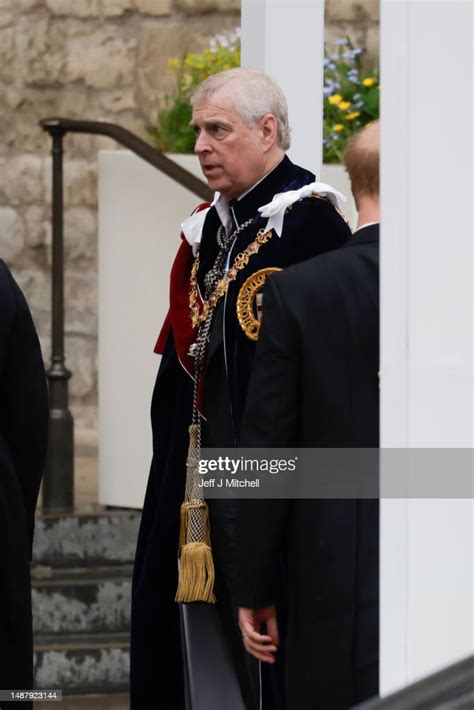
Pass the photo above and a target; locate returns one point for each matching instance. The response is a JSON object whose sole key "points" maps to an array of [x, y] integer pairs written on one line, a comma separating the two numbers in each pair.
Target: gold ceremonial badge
{"points": [[249, 302]]}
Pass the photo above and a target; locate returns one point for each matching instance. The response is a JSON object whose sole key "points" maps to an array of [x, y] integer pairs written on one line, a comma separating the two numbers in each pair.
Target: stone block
{"points": [[74, 8], [115, 8], [229, 5], [36, 285], [91, 606], [41, 50], [80, 234], [3, 197], [85, 415], [116, 101], [41, 314], [19, 116], [35, 222], [372, 41], [153, 7], [12, 234], [103, 59], [7, 53], [158, 43], [197, 7], [352, 10], [81, 360], [21, 181], [6, 13], [80, 298], [28, 5], [12, 97], [80, 183]]}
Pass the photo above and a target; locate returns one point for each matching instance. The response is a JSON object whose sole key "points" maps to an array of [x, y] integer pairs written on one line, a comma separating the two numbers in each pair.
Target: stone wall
{"points": [[102, 60]]}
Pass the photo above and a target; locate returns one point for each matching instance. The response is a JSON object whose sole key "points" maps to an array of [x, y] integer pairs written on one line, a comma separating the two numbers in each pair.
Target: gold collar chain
{"points": [[241, 260]]}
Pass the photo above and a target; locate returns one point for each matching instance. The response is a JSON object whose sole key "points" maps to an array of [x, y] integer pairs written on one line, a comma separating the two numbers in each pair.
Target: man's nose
{"points": [[202, 144]]}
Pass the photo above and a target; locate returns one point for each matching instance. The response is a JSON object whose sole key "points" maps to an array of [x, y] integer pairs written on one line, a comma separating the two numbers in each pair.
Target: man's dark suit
{"points": [[315, 384], [23, 442]]}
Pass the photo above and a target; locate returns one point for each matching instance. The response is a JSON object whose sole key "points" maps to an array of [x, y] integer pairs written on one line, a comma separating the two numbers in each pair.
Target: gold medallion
{"points": [[249, 302]]}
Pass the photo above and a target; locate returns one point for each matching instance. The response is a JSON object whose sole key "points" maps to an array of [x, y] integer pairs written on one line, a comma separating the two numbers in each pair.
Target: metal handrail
{"points": [[129, 140], [58, 482]]}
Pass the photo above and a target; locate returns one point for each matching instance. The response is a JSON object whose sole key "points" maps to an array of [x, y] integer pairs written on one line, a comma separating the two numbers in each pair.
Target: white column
{"points": [[427, 272], [285, 38]]}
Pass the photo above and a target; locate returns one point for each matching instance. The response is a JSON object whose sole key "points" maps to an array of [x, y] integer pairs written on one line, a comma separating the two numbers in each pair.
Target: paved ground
{"points": [[88, 702]]}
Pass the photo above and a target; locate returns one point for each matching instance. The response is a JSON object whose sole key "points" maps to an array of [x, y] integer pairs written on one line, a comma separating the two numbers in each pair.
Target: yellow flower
{"points": [[353, 115], [344, 105], [335, 99], [369, 81], [338, 127]]}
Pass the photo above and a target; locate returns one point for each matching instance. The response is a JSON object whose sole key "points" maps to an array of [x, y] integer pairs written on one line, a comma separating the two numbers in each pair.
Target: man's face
{"points": [[232, 155]]}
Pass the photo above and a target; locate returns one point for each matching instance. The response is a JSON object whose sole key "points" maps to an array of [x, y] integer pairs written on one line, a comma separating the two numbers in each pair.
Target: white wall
{"points": [[140, 211], [427, 273]]}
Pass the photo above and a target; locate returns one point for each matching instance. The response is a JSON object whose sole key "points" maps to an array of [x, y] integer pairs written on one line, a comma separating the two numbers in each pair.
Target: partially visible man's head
{"points": [[240, 118], [362, 161]]}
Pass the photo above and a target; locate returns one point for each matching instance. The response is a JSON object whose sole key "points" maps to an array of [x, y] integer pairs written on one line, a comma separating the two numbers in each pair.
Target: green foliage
{"points": [[351, 97], [351, 94], [172, 132]]}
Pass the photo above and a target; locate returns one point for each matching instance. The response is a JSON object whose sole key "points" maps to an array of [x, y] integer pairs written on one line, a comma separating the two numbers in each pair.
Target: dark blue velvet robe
{"points": [[312, 226]]}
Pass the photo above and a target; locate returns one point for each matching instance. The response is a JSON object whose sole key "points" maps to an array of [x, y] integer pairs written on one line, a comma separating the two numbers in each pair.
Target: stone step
{"points": [[98, 537], [78, 664], [81, 599]]}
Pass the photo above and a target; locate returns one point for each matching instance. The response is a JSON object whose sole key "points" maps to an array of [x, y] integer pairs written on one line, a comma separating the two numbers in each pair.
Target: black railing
{"points": [[58, 483], [452, 687]]}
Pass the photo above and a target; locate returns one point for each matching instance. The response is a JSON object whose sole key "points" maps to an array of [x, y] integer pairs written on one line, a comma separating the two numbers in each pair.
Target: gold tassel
{"points": [[196, 574], [196, 566], [183, 526]]}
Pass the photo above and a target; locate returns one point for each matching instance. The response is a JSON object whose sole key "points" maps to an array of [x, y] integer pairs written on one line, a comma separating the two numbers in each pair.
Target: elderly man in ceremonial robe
{"points": [[266, 215]]}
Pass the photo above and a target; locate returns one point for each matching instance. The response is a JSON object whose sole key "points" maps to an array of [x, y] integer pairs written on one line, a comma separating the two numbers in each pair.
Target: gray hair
{"points": [[253, 95]]}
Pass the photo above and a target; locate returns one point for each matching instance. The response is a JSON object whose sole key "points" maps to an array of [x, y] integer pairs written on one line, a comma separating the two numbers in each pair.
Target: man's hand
{"points": [[260, 646]]}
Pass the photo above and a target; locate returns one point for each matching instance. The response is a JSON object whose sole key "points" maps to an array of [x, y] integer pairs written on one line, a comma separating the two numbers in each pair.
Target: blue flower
{"points": [[341, 41], [331, 87]]}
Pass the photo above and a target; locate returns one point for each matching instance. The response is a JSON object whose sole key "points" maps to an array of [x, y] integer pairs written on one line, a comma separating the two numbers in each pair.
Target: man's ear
{"points": [[269, 130]]}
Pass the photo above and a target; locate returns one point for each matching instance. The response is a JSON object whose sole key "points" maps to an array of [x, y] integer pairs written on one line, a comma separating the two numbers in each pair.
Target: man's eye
{"points": [[216, 130], [196, 130]]}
